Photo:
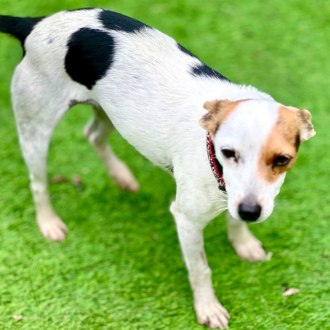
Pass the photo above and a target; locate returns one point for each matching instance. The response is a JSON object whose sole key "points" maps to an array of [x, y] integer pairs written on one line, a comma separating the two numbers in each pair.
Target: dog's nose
{"points": [[249, 211]]}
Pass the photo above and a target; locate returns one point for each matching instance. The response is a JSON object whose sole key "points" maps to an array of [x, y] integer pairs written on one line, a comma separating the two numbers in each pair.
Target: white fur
{"points": [[155, 103]]}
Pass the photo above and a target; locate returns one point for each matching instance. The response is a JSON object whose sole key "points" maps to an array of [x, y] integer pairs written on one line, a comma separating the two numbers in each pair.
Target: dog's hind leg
{"points": [[97, 132], [37, 109], [244, 243]]}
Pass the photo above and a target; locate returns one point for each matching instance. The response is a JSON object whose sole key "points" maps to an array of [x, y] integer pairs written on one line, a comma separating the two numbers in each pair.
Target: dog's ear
{"points": [[215, 115], [305, 126]]}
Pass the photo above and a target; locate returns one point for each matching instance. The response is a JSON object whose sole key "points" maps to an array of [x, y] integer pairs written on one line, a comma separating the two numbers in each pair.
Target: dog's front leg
{"points": [[243, 241], [208, 309]]}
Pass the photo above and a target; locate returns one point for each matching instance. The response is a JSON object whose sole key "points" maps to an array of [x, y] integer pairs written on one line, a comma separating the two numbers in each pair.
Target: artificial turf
{"points": [[121, 266]]}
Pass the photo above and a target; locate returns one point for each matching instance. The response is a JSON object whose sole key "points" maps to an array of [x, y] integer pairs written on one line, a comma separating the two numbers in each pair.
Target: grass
{"points": [[121, 266]]}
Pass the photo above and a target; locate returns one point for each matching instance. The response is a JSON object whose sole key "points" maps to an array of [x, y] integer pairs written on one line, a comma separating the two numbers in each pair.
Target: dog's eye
{"points": [[281, 160], [228, 153]]}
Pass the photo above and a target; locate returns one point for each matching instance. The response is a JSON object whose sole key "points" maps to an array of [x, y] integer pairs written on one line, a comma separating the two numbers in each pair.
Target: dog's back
{"points": [[122, 65]]}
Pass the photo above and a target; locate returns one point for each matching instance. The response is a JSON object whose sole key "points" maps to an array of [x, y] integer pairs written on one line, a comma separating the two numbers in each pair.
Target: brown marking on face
{"points": [[283, 140], [218, 112]]}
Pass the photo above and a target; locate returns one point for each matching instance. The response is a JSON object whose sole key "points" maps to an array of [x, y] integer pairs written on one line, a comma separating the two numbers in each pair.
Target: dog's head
{"points": [[256, 142]]}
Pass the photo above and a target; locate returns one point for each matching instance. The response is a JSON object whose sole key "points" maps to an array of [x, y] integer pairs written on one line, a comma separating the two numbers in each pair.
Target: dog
{"points": [[227, 146]]}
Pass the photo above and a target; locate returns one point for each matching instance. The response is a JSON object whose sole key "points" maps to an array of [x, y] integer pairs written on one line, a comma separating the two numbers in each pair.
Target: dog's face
{"points": [[256, 142]]}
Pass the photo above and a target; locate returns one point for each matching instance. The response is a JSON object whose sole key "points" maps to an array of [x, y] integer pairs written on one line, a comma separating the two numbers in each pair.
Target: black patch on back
{"points": [[202, 69], [89, 56], [119, 22], [206, 71], [186, 51]]}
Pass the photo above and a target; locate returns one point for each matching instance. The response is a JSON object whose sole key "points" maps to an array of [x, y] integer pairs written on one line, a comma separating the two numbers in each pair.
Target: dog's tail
{"points": [[19, 27]]}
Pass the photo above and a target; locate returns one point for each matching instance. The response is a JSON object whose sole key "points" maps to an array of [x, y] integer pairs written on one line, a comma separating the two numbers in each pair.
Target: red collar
{"points": [[214, 163]]}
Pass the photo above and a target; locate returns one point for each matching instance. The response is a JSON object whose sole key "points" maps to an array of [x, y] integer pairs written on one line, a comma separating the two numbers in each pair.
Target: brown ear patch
{"points": [[306, 129], [305, 124], [283, 140], [218, 111]]}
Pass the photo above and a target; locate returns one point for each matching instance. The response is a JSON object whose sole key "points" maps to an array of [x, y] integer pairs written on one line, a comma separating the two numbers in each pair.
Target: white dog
{"points": [[156, 93]]}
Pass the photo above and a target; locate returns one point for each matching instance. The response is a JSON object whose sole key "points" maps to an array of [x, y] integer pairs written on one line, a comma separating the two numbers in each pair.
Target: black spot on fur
{"points": [[206, 71], [186, 51], [119, 22], [89, 56], [202, 69]]}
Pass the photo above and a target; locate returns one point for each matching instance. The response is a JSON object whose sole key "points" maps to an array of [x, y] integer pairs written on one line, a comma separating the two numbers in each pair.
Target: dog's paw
{"points": [[212, 314], [53, 228], [125, 181], [250, 249], [123, 176]]}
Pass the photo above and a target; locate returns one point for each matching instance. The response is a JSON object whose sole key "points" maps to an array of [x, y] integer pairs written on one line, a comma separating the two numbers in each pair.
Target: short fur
{"points": [[152, 90]]}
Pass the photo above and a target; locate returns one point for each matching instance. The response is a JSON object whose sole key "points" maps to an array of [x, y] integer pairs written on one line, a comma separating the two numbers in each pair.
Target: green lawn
{"points": [[121, 266]]}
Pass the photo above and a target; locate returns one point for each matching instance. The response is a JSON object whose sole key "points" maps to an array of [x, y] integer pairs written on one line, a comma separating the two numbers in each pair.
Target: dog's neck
{"points": [[211, 89]]}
